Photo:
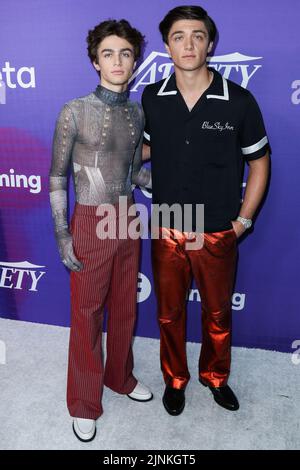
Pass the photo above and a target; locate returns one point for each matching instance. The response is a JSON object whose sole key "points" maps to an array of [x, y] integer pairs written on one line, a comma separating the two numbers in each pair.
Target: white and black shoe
{"points": [[140, 393], [84, 429]]}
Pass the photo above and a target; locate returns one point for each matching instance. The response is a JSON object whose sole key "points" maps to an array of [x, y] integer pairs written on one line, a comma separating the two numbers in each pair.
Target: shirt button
{"points": [[187, 142]]}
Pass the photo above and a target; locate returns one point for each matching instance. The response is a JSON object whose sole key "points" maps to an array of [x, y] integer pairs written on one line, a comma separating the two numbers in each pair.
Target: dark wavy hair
{"points": [[121, 28], [187, 12]]}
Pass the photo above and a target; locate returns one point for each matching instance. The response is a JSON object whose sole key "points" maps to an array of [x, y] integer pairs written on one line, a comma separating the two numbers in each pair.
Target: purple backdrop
{"points": [[43, 63]]}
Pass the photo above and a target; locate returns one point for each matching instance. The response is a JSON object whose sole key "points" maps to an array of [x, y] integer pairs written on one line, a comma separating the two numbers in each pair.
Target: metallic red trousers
{"points": [[213, 268], [109, 277]]}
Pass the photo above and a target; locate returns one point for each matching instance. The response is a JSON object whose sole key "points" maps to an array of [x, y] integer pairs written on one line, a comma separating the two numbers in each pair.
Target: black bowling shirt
{"points": [[197, 156]]}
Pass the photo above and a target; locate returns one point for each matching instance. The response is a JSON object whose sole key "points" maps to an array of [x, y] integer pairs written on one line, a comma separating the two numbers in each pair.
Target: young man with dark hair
{"points": [[199, 127], [100, 135]]}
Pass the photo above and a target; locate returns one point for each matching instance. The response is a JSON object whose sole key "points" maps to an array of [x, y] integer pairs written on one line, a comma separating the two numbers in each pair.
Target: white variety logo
{"points": [[20, 275], [153, 69]]}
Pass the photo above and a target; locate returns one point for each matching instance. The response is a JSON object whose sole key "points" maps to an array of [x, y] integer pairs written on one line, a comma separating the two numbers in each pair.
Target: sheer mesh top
{"points": [[100, 136]]}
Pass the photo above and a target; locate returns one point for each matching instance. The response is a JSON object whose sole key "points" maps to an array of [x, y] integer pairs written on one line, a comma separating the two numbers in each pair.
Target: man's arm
{"points": [[140, 176], [63, 140], [255, 189]]}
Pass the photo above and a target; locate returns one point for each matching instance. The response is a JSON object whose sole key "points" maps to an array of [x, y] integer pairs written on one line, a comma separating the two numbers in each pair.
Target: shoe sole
{"points": [[84, 440], [224, 406], [142, 401], [216, 400]]}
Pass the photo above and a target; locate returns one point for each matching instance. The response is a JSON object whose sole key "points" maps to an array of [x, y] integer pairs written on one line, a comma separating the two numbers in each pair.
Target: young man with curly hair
{"points": [[100, 137]]}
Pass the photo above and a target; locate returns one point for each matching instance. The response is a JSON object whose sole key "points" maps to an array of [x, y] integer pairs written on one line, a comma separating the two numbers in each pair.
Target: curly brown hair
{"points": [[121, 28]]}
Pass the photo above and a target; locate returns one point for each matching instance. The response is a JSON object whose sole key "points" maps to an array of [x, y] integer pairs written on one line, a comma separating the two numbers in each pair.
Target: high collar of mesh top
{"points": [[111, 97]]}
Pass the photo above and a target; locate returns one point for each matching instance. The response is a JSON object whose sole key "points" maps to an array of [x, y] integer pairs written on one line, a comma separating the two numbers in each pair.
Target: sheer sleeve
{"points": [[63, 140]]}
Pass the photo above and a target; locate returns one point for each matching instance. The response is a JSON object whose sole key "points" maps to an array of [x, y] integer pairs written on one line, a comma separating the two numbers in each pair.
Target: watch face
{"points": [[246, 222]]}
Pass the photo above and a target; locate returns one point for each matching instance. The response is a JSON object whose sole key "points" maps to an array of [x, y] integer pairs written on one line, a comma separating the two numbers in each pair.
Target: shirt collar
{"points": [[218, 88], [111, 97]]}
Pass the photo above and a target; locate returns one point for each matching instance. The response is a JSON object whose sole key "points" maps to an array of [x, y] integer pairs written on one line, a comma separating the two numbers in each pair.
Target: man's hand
{"points": [[146, 155], [238, 227], [66, 252]]}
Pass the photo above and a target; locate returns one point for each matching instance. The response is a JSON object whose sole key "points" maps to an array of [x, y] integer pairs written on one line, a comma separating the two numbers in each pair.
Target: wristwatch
{"points": [[246, 222]]}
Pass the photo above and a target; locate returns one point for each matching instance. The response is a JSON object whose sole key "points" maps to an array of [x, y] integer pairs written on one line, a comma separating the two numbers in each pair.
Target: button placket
{"points": [[105, 126], [131, 130], [64, 141]]}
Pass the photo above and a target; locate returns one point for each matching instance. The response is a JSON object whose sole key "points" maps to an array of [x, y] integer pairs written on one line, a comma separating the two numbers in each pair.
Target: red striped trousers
{"points": [[108, 278]]}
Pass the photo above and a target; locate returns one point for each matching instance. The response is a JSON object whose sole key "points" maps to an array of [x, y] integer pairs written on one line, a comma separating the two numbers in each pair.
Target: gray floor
{"points": [[34, 415]]}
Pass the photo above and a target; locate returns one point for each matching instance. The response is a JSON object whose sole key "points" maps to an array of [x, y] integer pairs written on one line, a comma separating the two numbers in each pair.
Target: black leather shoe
{"points": [[224, 396], [174, 400]]}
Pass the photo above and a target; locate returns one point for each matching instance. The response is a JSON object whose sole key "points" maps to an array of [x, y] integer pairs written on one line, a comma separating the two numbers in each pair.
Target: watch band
{"points": [[246, 222]]}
